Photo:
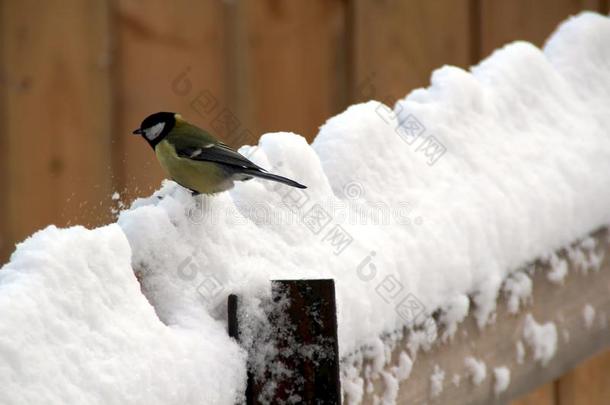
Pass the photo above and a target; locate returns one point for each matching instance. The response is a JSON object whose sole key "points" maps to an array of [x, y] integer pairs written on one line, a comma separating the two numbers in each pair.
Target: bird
{"points": [[195, 159]]}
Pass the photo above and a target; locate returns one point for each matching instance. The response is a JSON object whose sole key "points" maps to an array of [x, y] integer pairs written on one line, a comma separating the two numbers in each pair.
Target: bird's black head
{"points": [[156, 126]]}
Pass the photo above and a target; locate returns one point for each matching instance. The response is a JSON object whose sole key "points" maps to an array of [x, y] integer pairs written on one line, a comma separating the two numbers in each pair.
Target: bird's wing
{"points": [[196, 144]]}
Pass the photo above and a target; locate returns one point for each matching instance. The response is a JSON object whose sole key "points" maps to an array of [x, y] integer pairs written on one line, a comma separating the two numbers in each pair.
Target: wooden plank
{"points": [[4, 243], [543, 395], [496, 344], [291, 64], [232, 317], [506, 21], [397, 44], [589, 383], [170, 57], [57, 97]]}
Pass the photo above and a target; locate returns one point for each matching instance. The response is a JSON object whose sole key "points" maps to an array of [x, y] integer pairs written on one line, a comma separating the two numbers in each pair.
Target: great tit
{"points": [[195, 159]]}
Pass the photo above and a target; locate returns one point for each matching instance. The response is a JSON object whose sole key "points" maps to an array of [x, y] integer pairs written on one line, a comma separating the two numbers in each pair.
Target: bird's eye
{"points": [[154, 131]]}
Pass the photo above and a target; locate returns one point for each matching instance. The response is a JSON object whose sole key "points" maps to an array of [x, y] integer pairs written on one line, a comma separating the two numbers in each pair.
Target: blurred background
{"points": [[77, 76]]}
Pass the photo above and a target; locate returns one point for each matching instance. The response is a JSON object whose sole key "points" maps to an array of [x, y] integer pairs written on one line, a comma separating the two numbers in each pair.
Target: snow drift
{"points": [[75, 329], [409, 209]]}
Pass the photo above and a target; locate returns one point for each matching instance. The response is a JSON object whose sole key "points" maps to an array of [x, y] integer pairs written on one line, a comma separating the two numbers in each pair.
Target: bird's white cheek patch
{"points": [[154, 131]]}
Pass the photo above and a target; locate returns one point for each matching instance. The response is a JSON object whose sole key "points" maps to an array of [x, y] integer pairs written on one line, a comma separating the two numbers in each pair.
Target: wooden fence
{"points": [[78, 75]]}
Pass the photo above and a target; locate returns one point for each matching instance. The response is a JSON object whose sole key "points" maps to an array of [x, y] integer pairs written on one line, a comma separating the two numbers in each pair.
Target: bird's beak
{"points": [[138, 131]]}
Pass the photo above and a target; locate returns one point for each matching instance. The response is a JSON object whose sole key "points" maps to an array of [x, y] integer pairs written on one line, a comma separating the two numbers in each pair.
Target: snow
{"points": [[424, 206], [559, 269], [585, 256], [391, 385], [477, 370], [352, 384], [454, 312], [76, 329], [520, 351], [117, 203], [588, 314], [541, 338], [501, 379], [405, 365], [518, 287], [436, 381]]}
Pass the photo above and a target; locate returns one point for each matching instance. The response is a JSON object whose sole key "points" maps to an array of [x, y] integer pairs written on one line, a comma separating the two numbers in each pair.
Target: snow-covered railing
{"points": [[553, 314], [550, 317]]}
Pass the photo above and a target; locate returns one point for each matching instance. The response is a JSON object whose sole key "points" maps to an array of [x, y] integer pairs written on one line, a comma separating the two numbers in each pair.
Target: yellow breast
{"points": [[203, 177]]}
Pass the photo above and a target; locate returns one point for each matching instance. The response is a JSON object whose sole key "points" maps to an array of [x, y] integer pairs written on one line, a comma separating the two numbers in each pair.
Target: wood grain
{"points": [[507, 21], [397, 44], [543, 395], [57, 95], [170, 57], [293, 75], [589, 383], [4, 234]]}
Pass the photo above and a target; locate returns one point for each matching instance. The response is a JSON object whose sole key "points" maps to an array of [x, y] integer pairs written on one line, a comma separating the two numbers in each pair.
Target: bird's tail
{"points": [[272, 177]]}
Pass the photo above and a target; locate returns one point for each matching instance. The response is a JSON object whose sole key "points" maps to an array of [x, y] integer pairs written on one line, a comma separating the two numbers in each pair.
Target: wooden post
{"points": [[233, 323], [304, 324]]}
